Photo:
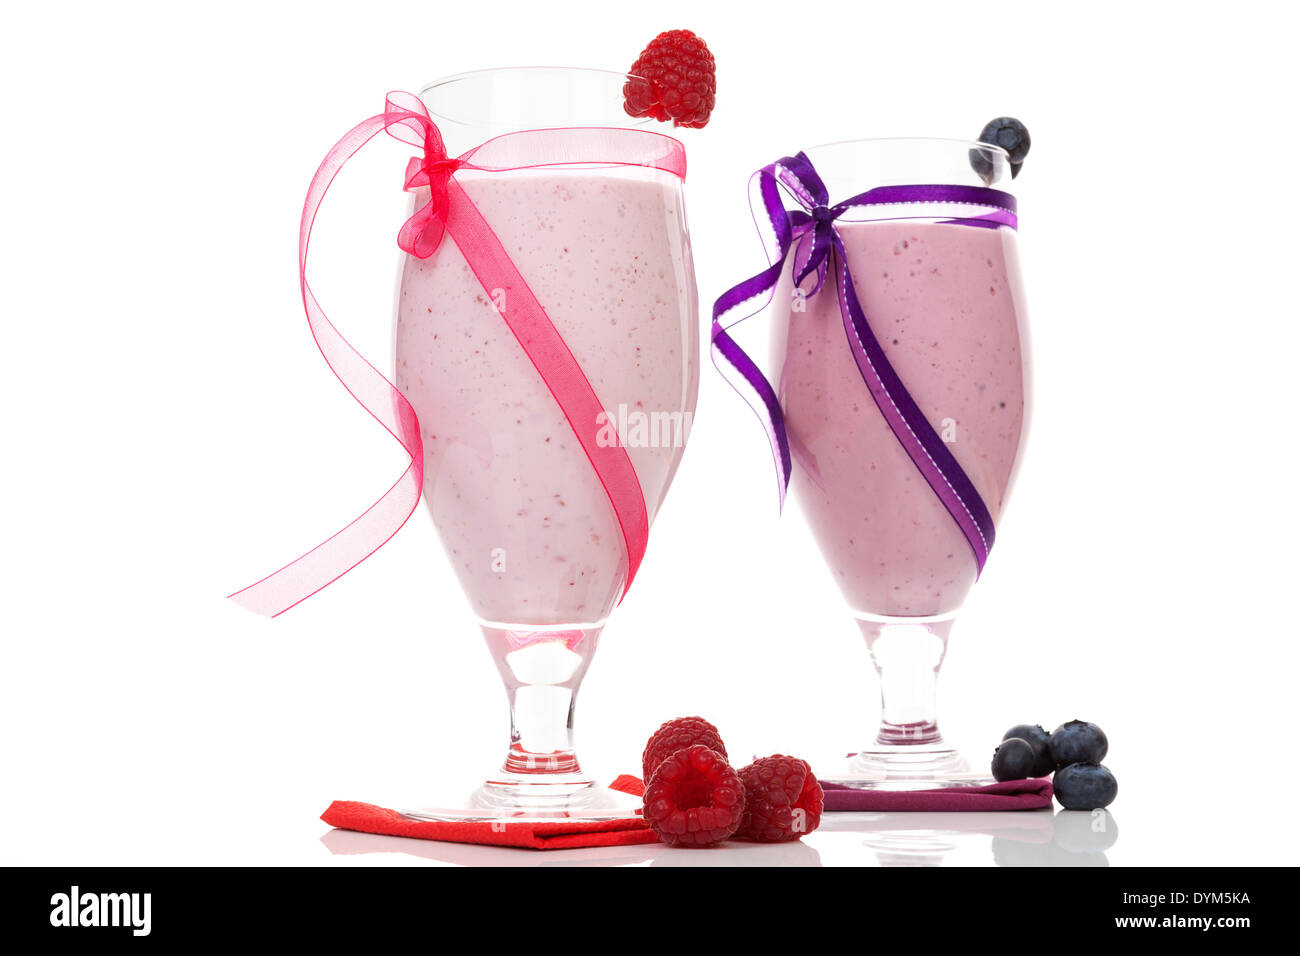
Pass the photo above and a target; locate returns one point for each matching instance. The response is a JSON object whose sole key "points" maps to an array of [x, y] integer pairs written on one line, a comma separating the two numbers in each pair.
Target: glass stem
{"points": [[542, 669], [908, 653]]}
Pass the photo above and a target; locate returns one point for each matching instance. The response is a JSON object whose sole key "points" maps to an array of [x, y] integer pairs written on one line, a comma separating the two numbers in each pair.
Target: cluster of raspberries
{"points": [[694, 798]]}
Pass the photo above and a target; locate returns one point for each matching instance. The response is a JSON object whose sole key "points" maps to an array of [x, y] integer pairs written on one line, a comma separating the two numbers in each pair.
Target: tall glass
{"points": [[519, 508], [946, 303]]}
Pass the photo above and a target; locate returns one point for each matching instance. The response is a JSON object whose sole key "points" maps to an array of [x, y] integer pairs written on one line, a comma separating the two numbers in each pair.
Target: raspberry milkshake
{"points": [[520, 509], [582, 277], [946, 303]]}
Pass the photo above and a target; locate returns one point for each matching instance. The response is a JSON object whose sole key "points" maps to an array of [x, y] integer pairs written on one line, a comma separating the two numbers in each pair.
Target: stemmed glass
{"points": [[523, 516], [944, 299]]}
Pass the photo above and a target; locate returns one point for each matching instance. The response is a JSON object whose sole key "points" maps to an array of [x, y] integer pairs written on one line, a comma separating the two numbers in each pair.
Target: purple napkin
{"points": [[1032, 794]]}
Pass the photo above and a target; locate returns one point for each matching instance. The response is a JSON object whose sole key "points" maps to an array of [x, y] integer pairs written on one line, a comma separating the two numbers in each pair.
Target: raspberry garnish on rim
{"points": [[674, 79]]}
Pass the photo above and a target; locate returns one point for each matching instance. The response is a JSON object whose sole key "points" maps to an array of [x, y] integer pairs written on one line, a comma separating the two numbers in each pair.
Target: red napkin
{"points": [[562, 835], [1030, 794]]}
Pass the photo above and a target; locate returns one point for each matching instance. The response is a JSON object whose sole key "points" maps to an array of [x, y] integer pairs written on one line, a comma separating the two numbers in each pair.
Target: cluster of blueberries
{"points": [[1073, 752]]}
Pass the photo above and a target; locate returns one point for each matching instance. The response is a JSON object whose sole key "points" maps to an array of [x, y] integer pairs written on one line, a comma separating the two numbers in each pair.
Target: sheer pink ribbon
{"points": [[450, 211]]}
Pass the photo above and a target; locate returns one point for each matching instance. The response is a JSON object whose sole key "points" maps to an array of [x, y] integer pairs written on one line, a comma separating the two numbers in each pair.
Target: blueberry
{"points": [[1009, 133], [1013, 760], [1084, 786], [1078, 742], [1041, 741]]}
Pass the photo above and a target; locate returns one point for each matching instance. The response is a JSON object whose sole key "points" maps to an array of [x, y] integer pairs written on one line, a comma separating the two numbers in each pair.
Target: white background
{"points": [[171, 433]]}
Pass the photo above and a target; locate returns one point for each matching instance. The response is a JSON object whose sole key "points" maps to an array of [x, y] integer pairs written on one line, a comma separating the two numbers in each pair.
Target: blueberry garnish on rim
{"points": [[1008, 133]]}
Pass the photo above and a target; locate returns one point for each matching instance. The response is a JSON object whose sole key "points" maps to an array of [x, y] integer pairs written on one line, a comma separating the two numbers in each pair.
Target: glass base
{"points": [[909, 752], [512, 798], [541, 778], [908, 767]]}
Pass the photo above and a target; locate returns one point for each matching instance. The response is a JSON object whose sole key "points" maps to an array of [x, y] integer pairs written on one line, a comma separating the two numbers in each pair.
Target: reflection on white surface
{"points": [[1015, 838], [348, 842]]}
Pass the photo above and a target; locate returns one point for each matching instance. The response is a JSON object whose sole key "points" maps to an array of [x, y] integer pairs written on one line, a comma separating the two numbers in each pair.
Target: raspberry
{"points": [[695, 799], [678, 735], [783, 800], [673, 78]]}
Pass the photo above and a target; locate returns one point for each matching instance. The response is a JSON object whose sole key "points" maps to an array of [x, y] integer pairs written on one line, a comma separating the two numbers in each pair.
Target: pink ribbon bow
{"points": [[422, 233]]}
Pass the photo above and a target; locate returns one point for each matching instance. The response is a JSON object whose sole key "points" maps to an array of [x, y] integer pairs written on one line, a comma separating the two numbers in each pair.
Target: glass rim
{"points": [[481, 74]]}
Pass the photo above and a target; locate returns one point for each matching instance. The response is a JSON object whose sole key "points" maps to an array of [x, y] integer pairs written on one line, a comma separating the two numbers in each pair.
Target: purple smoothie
{"points": [[946, 303]]}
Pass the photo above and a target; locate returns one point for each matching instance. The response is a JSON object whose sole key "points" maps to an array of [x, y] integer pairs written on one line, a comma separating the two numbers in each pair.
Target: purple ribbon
{"points": [[811, 231]]}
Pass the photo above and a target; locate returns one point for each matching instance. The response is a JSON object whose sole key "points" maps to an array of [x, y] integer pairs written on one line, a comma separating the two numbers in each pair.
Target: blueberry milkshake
{"points": [[946, 303]]}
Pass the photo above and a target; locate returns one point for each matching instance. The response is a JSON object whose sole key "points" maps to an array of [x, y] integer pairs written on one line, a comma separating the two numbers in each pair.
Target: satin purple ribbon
{"points": [[812, 232]]}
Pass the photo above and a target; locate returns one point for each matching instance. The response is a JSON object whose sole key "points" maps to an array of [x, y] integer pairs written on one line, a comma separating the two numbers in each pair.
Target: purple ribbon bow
{"points": [[819, 247]]}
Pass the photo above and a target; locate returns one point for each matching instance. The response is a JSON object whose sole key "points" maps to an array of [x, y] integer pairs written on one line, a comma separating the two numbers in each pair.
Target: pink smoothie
{"points": [[517, 505], [946, 303]]}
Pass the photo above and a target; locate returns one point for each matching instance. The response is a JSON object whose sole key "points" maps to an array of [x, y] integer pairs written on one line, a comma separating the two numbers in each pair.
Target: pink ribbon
{"points": [[450, 211]]}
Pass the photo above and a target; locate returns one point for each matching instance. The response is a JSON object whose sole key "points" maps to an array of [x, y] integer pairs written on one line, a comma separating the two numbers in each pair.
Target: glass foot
{"points": [[540, 779], [911, 767], [508, 799], [909, 752]]}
